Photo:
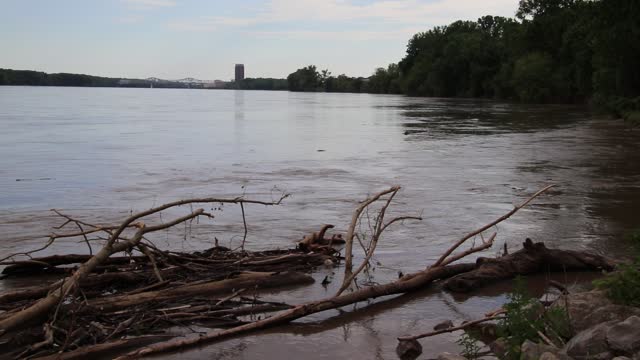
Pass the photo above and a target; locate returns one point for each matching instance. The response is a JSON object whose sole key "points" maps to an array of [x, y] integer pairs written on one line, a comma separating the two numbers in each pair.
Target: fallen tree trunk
{"points": [[532, 258], [244, 280]]}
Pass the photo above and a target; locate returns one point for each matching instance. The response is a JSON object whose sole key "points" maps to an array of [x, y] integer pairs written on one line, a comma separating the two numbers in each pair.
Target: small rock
{"points": [[549, 356], [449, 356], [408, 349], [624, 336], [532, 351], [621, 358], [499, 347], [443, 325]]}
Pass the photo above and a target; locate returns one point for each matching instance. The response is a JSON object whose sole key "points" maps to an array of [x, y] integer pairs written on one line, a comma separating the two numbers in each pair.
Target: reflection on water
{"points": [[101, 153]]}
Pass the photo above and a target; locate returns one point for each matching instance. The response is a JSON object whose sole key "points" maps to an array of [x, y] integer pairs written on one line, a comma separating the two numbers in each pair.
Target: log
{"points": [[37, 265], [92, 281], [243, 280], [532, 258]]}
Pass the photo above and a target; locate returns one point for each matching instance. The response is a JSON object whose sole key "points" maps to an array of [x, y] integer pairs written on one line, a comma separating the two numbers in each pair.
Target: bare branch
{"points": [[244, 223], [145, 250], [474, 249], [489, 225], [351, 231], [379, 228]]}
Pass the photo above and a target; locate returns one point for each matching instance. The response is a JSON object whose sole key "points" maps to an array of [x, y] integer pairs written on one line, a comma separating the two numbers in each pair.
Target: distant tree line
{"points": [[38, 78], [552, 51], [310, 79], [258, 84]]}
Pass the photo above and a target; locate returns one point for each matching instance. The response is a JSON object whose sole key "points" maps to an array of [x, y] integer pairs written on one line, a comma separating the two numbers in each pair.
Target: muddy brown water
{"points": [[101, 153]]}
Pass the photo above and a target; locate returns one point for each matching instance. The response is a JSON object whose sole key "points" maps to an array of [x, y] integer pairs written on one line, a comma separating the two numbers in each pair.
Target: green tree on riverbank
{"points": [[552, 51]]}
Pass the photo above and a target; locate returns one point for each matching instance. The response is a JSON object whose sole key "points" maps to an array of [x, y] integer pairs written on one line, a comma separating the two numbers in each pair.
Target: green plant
{"points": [[623, 285], [526, 318], [557, 323], [520, 322], [471, 349]]}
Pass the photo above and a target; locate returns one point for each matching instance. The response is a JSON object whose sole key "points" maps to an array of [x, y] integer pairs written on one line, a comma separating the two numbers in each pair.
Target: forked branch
{"points": [[504, 217], [378, 228]]}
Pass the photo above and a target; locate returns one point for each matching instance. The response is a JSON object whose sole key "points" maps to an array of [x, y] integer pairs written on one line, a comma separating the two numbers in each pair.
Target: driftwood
{"points": [[38, 264], [405, 284], [92, 281], [140, 292], [214, 265], [442, 269], [532, 258], [107, 297], [241, 281]]}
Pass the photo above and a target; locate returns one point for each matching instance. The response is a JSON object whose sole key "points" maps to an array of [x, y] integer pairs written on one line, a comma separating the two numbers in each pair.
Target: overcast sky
{"points": [[204, 38]]}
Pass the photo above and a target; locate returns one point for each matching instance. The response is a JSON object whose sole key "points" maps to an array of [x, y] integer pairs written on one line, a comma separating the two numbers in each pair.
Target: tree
{"points": [[532, 77], [305, 79], [538, 8]]}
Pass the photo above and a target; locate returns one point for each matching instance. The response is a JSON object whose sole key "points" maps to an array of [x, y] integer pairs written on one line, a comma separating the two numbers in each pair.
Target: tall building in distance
{"points": [[239, 72]]}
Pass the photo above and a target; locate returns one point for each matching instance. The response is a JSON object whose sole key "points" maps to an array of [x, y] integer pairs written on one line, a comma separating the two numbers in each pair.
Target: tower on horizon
{"points": [[239, 72]]}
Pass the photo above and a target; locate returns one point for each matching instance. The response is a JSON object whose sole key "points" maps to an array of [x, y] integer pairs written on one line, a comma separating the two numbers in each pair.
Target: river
{"points": [[101, 153]]}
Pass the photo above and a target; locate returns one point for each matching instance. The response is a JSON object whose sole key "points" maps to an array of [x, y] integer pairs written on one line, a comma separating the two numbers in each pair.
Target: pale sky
{"points": [[174, 39]]}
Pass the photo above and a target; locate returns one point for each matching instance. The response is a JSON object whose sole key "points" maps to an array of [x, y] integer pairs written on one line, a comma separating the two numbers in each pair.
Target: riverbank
{"points": [[597, 321]]}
